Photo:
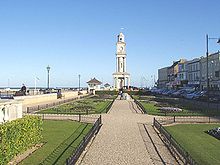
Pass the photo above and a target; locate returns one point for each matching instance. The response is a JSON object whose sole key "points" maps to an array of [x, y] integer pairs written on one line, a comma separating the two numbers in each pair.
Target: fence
{"points": [[173, 145], [109, 106], [53, 104], [80, 118], [139, 105], [189, 119], [73, 159]]}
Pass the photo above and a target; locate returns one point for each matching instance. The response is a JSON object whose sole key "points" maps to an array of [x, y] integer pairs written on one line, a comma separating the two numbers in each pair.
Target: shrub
{"points": [[19, 135], [105, 92]]}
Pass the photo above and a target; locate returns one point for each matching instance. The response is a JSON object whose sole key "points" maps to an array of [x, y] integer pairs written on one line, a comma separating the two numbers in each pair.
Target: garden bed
{"points": [[84, 106]]}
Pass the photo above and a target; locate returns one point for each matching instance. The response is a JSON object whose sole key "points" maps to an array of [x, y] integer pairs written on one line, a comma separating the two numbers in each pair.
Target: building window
{"points": [[216, 73]]}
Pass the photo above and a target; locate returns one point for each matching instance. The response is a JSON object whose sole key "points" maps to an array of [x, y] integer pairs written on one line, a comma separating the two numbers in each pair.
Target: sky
{"points": [[79, 37]]}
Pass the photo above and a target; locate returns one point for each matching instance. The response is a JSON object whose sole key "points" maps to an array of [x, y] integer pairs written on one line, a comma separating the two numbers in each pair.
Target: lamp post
{"points": [[48, 77], [79, 82], [207, 60]]}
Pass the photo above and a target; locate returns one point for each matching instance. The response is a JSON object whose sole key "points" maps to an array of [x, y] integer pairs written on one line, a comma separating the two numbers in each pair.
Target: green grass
{"points": [[187, 109], [61, 139], [151, 109], [92, 106], [204, 148]]}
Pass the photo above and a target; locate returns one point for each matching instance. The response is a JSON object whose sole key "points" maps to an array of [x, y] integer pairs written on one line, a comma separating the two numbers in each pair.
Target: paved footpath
{"points": [[120, 139]]}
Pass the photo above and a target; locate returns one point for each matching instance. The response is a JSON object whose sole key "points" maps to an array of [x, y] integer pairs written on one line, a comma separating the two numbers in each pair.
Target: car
{"points": [[200, 95], [191, 95]]}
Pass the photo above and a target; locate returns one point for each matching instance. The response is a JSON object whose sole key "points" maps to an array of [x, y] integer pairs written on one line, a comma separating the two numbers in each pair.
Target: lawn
{"points": [[152, 105], [85, 106], [61, 139], [204, 148], [152, 109]]}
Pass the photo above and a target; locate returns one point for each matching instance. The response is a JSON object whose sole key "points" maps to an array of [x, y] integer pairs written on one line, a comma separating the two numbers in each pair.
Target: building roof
{"points": [[94, 81], [107, 85]]}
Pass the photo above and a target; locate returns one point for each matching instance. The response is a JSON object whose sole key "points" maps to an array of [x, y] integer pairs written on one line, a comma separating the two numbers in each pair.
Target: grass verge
{"points": [[204, 148], [61, 139]]}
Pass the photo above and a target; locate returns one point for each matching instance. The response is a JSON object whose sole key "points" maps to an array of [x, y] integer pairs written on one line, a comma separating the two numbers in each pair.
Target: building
{"points": [[176, 74], [107, 86], [94, 85], [121, 77], [182, 73], [193, 73], [213, 71], [162, 77]]}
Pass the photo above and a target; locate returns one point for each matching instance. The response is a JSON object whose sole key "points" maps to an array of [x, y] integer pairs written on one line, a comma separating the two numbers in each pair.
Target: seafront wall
{"points": [[45, 98]]}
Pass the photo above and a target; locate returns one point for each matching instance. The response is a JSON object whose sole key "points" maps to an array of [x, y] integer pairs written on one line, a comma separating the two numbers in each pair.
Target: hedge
{"points": [[19, 135], [106, 92]]}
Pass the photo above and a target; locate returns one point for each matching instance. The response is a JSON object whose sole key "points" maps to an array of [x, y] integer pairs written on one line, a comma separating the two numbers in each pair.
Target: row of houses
{"points": [[191, 73]]}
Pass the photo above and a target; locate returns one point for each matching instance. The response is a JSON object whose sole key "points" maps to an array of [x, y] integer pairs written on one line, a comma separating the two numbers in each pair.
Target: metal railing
{"points": [[189, 119], [140, 106], [79, 117], [109, 106], [173, 145], [73, 158]]}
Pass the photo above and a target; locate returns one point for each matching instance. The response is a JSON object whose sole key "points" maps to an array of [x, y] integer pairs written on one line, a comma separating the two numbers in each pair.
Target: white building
{"points": [[213, 71], [121, 77], [193, 72], [94, 84]]}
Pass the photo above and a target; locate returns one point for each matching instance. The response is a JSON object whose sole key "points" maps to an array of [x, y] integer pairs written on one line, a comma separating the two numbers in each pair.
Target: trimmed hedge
{"points": [[19, 135], [106, 92]]}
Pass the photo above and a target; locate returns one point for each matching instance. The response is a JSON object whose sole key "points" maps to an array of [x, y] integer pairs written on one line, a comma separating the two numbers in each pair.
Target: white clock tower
{"points": [[121, 77]]}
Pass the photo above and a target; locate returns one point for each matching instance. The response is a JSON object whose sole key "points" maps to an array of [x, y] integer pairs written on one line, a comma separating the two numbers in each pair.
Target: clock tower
{"points": [[121, 77]]}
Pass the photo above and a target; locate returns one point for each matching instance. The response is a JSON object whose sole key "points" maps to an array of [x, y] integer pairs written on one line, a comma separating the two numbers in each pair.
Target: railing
{"points": [[141, 107], [79, 117], [173, 145], [53, 104], [73, 158], [109, 106], [189, 119]]}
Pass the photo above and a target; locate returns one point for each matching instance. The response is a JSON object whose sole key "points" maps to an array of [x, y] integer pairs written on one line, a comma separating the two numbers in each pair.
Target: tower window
{"points": [[120, 39]]}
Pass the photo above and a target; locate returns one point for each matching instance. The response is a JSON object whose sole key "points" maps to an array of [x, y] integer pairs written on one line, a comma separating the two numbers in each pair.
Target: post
{"points": [[48, 77], [79, 117], [79, 83], [174, 118], [207, 64], [100, 117]]}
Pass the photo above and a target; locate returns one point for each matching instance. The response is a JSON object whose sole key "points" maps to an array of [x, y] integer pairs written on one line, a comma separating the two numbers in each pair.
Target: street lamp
{"points": [[79, 82], [48, 76], [207, 60]]}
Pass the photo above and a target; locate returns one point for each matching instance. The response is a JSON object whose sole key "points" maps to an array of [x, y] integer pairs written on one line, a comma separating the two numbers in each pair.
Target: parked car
{"points": [[192, 95], [200, 95]]}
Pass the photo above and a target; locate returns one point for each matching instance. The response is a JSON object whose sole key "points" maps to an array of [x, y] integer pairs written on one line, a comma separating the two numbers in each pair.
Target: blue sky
{"points": [[79, 37]]}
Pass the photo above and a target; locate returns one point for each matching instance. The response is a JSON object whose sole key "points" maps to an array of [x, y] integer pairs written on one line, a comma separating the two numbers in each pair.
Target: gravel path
{"points": [[120, 140]]}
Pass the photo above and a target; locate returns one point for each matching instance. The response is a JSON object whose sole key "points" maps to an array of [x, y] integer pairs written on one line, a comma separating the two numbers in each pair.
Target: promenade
{"points": [[123, 139]]}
